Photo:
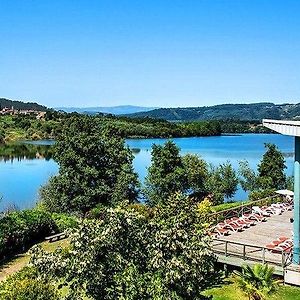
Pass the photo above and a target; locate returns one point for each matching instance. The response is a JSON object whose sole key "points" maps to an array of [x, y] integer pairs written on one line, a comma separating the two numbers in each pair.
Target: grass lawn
{"points": [[21, 260], [231, 292]]}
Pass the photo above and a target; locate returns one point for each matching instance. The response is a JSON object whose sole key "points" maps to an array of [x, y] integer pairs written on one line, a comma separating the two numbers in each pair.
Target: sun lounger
{"points": [[283, 238], [272, 210], [248, 221], [282, 244], [256, 217], [283, 206], [242, 223], [260, 211], [220, 231], [287, 243], [275, 209], [278, 206], [282, 248], [233, 227]]}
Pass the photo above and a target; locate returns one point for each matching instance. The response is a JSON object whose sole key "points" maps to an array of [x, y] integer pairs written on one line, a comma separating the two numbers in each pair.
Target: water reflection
{"points": [[135, 150], [25, 151]]}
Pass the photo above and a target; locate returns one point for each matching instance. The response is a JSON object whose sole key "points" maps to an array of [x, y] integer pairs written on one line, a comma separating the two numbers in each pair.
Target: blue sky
{"points": [[150, 53]]}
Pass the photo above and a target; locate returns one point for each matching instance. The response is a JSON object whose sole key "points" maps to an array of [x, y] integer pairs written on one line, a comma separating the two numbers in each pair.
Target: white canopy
{"points": [[285, 192]]}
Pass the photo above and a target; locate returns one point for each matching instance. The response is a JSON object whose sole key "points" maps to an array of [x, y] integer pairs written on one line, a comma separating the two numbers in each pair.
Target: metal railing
{"points": [[242, 209], [248, 252]]}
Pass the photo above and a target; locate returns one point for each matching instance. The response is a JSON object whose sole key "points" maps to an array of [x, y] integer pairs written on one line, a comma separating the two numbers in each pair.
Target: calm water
{"points": [[21, 177]]}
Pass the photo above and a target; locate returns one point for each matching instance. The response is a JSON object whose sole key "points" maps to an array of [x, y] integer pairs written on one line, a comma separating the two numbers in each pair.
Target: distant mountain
{"points": [[21, 105], [254, 111], [115, 110]]}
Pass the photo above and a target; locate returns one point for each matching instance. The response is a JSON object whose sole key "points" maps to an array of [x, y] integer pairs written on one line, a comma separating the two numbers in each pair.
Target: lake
{"points": [[25, 167]]}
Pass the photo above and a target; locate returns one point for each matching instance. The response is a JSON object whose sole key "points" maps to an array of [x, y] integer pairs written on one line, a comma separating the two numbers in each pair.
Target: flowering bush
{"points": [[128, 255]]}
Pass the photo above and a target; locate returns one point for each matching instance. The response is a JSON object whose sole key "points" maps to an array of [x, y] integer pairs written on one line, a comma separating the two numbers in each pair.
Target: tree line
{"points": [[22, 127]]}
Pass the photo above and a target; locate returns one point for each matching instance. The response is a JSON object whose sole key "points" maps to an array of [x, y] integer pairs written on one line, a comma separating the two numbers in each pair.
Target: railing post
{"points": [[282, 259], [264, 255], [244, 252], [226, 248]]}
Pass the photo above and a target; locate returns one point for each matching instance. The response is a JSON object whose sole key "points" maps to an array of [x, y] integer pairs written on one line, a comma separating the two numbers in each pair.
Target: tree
{"points": [[196, 170], [248, 178], [166, 175], [181, 252], [271, 169], [256, 282], [222, 182], [94, 167], [115, 257], [2, 135]]}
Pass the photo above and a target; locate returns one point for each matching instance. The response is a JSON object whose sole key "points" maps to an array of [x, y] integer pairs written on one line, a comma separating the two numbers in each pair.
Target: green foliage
{"points": [[222, 182], [166, 175], [248, 179], [2, 135], [127, 255], [18, 230], [196, 170], [200, 128], [189, 174], [290, 183], [269, 177], [227, 205], [95, 167], [260, 194], [237, 126], [25, 285], [256, 282], [271, 169], [19, 127], [230, 291], [64, 221]]}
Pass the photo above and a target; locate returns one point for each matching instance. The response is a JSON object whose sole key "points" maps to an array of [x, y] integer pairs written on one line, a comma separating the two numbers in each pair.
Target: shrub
{"points": [[18, 230], [24, 285], [257, 282], [227, 205], [64, 221], [260, 194]]}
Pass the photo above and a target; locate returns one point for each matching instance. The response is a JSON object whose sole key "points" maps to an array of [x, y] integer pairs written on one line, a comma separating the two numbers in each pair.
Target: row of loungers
{"points": [[282, 244], [259, 214]]}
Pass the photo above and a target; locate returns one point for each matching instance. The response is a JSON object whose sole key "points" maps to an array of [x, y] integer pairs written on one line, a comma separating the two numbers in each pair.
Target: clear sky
{"points": [[150, 52]]}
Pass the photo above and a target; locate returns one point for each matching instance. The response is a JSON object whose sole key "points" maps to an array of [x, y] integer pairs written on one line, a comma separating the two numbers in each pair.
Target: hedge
{"points": [[21, 229]]}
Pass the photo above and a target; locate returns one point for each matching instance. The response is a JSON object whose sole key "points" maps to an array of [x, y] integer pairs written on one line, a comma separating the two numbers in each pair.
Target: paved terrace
{"points": [[248, 246]]}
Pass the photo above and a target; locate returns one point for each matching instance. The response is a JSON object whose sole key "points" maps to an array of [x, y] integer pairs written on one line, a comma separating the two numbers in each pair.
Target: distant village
{"points": [[12, 111]]}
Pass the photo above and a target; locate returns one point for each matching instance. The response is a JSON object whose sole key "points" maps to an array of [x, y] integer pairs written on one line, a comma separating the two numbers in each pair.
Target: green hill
{"points": [[254, 111], [21, 105]]}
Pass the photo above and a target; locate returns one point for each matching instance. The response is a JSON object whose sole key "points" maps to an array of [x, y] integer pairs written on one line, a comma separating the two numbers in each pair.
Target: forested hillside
{"points": [[21, 105], [254, 111]]}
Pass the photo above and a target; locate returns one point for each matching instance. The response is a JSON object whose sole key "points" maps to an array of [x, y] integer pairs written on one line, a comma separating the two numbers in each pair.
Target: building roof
{"points": [[283, 126]]}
